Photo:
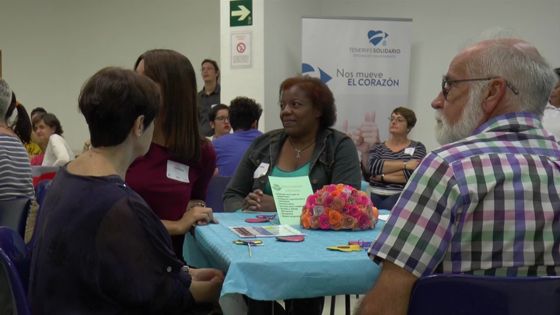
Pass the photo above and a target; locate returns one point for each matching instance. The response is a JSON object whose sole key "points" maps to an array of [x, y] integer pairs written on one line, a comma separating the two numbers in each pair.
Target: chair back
{"points": [[12, 251], [214, 196], [41, 190], [41, 173], [13, 213], [466, 294]]}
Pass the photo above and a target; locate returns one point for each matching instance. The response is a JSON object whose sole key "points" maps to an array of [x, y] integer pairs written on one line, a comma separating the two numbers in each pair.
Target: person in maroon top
{"points": [[173, 176]]}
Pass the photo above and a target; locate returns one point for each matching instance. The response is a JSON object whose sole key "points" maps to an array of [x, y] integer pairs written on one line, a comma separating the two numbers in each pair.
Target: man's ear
{"points": [[494, 95], [138, 126]]}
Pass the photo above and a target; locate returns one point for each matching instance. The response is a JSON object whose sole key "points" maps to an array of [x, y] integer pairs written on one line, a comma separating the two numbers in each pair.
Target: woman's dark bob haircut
{"points": [[112, 99]]}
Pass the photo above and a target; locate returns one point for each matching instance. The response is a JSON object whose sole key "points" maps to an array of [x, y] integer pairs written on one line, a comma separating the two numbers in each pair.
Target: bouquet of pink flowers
{"points": [[339, 207]]}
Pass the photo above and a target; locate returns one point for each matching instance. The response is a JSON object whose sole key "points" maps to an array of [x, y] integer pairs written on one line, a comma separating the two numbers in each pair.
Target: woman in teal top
{"points": [[305, 146]]}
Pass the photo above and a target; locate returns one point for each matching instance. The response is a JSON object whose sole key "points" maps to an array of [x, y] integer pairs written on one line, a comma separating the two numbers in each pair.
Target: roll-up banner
{"points": [[364, 61]]}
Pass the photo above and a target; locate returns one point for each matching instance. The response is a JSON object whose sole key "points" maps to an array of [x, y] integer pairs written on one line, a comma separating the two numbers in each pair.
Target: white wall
{"points": [[248, 81], [51, 47], [283, 38], [440, 28]]}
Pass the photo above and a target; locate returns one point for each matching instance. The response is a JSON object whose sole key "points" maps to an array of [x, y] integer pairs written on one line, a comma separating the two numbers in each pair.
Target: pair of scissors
{"points": [[249, 244], [363, 244], [346, 248]]}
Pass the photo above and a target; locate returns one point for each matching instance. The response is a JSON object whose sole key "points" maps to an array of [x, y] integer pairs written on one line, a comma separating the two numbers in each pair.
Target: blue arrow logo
{"points": [[375, 37], [311, 71]]}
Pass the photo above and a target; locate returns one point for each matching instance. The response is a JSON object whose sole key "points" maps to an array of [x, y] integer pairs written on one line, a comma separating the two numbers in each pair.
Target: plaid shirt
{"points": [[488, 204]]}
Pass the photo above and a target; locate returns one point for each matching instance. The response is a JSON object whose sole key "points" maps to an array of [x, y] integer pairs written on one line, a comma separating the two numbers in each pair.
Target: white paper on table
{"points": [[383, 217]]}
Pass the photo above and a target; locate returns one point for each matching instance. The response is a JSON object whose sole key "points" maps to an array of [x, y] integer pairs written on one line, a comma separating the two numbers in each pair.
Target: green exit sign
{"points": [[240, 12]]}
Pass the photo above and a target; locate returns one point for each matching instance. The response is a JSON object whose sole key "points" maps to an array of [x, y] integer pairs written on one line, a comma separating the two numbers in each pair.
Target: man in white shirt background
{"points": [[551, 116]]}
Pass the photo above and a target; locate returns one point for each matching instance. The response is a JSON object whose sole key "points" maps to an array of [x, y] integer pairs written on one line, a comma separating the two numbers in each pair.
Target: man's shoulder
{"points": [[461, 149], [223, 140], [267, 138]]}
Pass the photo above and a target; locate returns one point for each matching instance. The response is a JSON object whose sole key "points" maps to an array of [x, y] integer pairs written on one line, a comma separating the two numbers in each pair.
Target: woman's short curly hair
{"points": [[320, 95], [408, 114]]}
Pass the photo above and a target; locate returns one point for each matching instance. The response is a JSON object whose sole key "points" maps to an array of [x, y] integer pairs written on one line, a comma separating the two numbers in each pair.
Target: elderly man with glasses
{"points": [[487, 201]]}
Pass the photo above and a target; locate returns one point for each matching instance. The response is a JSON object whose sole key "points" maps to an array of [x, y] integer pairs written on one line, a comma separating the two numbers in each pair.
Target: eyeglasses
{"points": [[397, 119], [220, 118], [447, 84]]}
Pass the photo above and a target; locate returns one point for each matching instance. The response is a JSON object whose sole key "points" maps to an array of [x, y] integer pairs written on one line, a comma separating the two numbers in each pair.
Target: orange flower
{"points": [[334, 218], [339, 206], [306, 221], [375, 212], [348, 222]]}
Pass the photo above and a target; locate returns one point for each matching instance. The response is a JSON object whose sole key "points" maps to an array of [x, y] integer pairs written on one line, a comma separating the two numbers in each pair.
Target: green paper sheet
{"points": [[290, 194]]}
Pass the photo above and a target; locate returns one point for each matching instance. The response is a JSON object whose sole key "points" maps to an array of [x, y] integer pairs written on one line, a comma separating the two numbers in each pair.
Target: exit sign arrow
{"points": [[242, 13]]}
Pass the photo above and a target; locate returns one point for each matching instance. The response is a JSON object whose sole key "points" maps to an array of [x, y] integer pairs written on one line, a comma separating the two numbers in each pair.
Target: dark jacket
{"points": [[334, 161]]}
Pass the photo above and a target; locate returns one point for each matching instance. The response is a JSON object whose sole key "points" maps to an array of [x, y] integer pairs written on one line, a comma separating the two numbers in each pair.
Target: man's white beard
{"points": [[464, 127]]}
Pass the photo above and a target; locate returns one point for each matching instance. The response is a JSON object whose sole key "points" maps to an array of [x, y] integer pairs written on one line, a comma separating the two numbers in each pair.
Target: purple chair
{"points": [[215, 193], [466, 294], [12, 253], [41, 190]]}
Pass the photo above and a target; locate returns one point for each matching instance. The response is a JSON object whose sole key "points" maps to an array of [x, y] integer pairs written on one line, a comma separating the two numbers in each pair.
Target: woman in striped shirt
{"points": [[15, 171], [389, 164]]}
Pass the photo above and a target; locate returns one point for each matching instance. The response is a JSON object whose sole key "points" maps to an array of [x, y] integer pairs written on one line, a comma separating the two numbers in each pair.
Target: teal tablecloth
{"points": [[279, 270]]}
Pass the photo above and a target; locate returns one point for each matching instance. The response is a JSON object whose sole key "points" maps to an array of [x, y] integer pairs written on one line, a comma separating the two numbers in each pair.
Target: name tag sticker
{"points": [[261, 170], [409, 151], [178, 171]]}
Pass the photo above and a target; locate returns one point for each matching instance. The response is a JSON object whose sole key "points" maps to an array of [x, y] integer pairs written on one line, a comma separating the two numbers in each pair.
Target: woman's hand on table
{"points": [[196, 215], [206, 284], [258, 201], [206, 274], [202, 215]]}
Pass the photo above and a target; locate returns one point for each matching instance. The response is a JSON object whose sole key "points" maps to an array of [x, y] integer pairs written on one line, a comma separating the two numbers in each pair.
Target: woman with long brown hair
{"points": [[173, 176]]}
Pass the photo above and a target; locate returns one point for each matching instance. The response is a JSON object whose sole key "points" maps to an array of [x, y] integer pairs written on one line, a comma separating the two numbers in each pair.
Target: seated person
{"points": [[551, 116], [15, 171], [244, 114], [389, 164], [35, 113], [49, 136], [487, 202], [173, 176], [100, 249], [305, 146], [219, 121]]}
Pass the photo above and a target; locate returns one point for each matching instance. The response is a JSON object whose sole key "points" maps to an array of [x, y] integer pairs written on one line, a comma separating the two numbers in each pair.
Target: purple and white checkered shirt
{"points": [[488, 204]]}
